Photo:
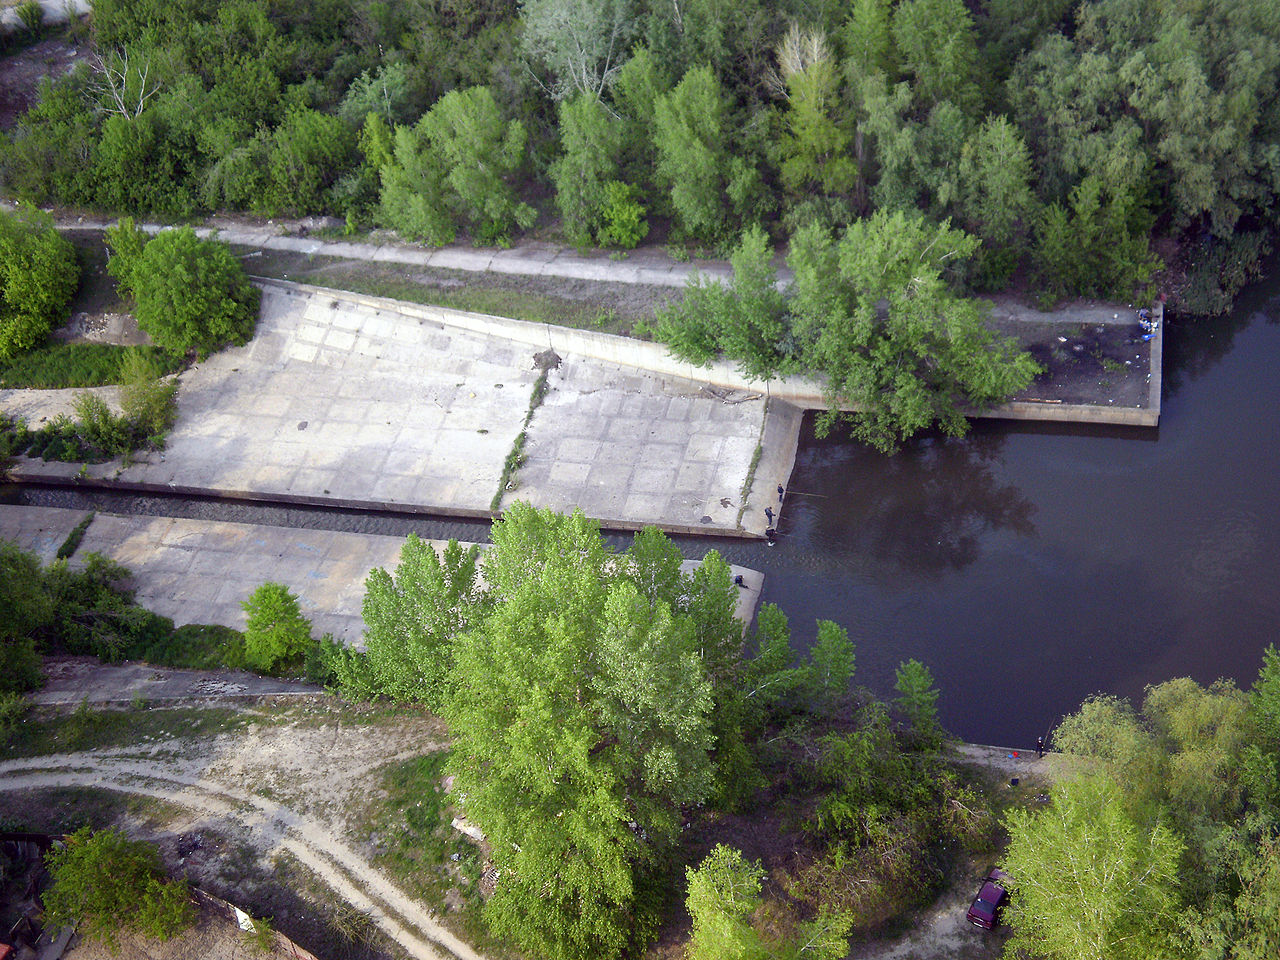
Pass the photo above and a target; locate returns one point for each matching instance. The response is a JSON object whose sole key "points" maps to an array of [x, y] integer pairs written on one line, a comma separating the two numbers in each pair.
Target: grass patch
{"points": [[491, 294], [57, 366], [67, 809], [751, 469], [416, 845], [87, 728], [516, 457], [69, 545]]}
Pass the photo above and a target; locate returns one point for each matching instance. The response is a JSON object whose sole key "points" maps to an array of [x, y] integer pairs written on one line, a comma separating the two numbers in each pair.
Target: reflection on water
{"points": [[924, 511]]}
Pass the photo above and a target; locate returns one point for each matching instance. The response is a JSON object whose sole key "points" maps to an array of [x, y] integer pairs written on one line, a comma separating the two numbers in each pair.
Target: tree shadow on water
{"points": [[925, 510]]}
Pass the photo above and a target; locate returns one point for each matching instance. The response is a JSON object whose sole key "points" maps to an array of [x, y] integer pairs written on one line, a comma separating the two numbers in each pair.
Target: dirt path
{"points": [[234, 778]]}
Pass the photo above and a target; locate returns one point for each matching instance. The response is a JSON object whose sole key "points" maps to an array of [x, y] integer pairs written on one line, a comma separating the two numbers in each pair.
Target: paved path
{"points": [[534, 258], [200, 571]]}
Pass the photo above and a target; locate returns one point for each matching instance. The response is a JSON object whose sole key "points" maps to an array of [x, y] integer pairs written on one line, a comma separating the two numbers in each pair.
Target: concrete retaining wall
{"points": [[802, 392]]}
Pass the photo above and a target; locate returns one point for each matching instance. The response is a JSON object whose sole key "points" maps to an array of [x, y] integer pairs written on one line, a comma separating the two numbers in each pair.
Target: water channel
{"points": [[1028, 565]]}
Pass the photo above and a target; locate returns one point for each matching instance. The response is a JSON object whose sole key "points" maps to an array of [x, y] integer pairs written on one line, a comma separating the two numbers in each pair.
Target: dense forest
{"points": [[1094, 148]]}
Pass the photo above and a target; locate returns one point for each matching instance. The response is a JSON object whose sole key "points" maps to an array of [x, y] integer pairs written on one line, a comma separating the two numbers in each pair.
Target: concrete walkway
{"points": [[200, 571], [534, 258]]}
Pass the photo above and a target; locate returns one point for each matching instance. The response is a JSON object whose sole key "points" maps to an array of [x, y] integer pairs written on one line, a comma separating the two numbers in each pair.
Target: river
{"points": [[1028, 565]]}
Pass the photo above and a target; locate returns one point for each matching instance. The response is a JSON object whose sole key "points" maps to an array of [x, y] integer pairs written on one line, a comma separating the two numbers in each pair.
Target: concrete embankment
{"points": [[200, 571], [369, 403]]}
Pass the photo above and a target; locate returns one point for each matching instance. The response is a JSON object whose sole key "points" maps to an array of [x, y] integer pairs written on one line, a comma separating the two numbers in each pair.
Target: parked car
{"points": [[984, 912]]}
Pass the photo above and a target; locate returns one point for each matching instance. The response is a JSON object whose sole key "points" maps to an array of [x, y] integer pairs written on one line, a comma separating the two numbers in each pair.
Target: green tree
{"points": [[746, 319], [1262, 757], [995, 181], [696, 165], [411, 621], [1089, 880], [307, 152], [387, 92], [190, 293], [582, 43], [723, 893], [875, 316], [939, 47], [1097, 247], [480, 153], [917, 700], [831, 664], [106, 884], [456, 166], [723, 898], [581, 713], [276, 633], [25, 609], [38, 276], [815, 146], [591, 140], [412, 200], [868, 41]]}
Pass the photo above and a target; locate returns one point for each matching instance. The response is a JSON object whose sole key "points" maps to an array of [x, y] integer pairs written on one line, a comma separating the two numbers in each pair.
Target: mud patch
{"points": [[21, 73]]}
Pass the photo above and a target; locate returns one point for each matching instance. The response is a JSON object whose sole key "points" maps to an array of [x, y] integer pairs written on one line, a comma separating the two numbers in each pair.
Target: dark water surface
{"points": [[1028, 565]]}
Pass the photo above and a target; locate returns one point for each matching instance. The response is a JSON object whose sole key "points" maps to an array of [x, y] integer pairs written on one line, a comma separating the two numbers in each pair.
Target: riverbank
{"points": [[360, 401]]}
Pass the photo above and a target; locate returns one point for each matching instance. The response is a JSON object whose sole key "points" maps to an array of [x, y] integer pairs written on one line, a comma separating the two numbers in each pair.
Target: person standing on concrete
{"points": [[768, 515], [1040, 747], [781, 491]]}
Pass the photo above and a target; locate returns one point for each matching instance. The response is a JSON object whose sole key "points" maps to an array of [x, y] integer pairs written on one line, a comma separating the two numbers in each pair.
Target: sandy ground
{"points": [[286, 788]]}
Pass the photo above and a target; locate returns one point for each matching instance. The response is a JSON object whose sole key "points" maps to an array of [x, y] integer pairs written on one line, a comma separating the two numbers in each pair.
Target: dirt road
{"points": [[316, 771]]}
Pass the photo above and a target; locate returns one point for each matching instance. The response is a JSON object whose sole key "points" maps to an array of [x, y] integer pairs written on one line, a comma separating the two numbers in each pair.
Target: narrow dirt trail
{"points": [[286, 787], [273, 826]]}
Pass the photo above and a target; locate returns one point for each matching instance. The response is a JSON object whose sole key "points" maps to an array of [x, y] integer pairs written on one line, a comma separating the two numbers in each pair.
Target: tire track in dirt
{"points": [[336, 864]]}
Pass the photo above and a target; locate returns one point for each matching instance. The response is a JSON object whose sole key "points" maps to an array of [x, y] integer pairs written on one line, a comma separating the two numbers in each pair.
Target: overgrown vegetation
{"points": [[1064, 136], [515, 456], [56, 366], [1164, 839], [106, 884], [276, 635], [593, 697], [97, 433], [91, 610], [38, 276], [873, 313]]}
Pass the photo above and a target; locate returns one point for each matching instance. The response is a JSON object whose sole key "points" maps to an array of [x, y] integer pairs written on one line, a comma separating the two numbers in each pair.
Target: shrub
{"points": [[622, 222], [38, 275], [277, 633], [109, 884], [148, 402], [190, 293], [13, 708], [31, 14]]}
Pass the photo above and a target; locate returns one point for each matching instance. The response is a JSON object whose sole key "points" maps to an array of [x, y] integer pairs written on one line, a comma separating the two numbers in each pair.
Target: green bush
{"points": [[190, 293], [31, 14], [622, 222], [38, 275], [109, 884], [13, 708], [277, 633]]}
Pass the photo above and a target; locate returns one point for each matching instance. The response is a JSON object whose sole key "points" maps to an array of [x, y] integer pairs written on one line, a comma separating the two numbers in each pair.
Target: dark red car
{"points": [[985, 910]]}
